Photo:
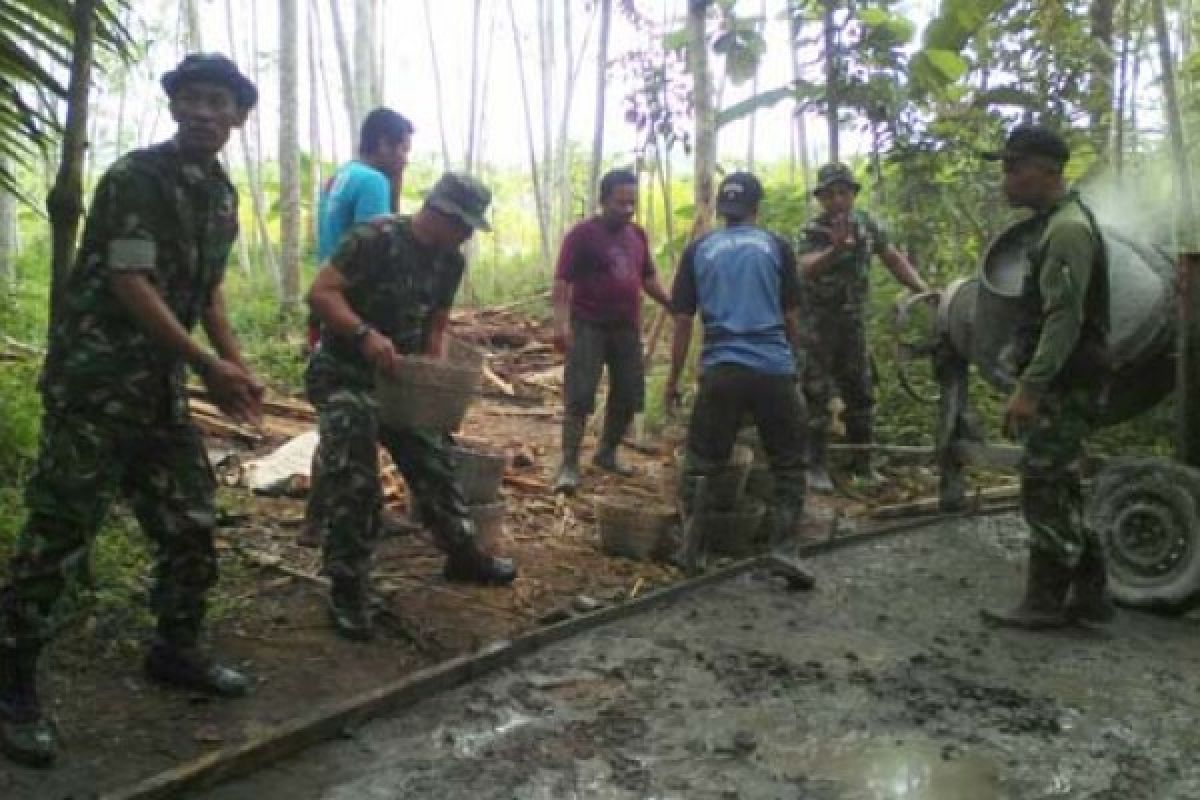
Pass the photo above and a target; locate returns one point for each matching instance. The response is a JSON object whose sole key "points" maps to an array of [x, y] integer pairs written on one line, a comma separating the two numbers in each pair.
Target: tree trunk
{"points": [[801, 124], [192, 40], [1101, 94], [289, 153], [1118, 147], [752, 125], [437, 87], [546, 49], [65, 200], [702, 102], [593, 187], [364, 60], [344, 65], [314, 128], [473, 106], [1183, 186], [543, 224], [832, 83], [8, 232]]}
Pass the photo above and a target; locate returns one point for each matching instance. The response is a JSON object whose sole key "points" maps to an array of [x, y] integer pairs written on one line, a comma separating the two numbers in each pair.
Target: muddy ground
{"points": [[882, 684]]}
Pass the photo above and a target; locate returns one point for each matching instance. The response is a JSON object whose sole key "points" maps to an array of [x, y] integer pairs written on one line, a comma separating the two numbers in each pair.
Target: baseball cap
{"points": [[213, 68], [1027, 141], [460, 195], [739, 194], [832, 173]]}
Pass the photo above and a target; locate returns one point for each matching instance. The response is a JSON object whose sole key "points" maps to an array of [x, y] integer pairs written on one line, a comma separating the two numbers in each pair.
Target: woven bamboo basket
{"points": [[428, 393], [630, 527], [725, 489], [733, 533]]}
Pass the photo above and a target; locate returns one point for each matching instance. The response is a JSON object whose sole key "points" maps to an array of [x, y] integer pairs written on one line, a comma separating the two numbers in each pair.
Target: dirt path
{"points": [[880, 685]]}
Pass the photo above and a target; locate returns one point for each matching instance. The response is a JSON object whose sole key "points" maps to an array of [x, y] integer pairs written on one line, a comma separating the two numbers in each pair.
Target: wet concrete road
{"points": [[882, 684]]}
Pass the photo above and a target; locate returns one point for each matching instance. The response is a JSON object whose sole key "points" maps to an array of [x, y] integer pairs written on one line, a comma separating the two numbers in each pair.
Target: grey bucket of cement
{"points": [[480, 469], [979, 316]]}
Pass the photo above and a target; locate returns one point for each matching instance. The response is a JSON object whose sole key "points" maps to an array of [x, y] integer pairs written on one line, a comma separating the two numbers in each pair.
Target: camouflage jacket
{"points": [[845, 282], [152, 213], [395, 284]]}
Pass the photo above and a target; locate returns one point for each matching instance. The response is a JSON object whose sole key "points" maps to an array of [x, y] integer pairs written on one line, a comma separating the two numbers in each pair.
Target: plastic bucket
{"points": [[480, 470], [489, 524]]}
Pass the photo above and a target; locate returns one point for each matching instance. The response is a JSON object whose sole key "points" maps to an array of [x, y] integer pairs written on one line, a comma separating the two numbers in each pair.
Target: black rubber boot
{"points": [[818, 466], [1042, 607], [785, 547], [859, 431], [616, 422], [26, 736], [566, 480], [185, 667], [1088, 601], [349, 610], [467, 563]]}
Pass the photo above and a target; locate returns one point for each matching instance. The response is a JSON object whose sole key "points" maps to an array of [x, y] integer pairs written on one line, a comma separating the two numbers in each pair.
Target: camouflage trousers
{"points": [[351, 496], [838, 363], [83, 465], [1051, 492], [727, 394]]}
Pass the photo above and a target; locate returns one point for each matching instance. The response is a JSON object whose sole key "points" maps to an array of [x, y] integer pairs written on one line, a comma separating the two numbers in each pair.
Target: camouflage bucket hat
{"points": [[833, 173], [213, 68], [461, 196]]}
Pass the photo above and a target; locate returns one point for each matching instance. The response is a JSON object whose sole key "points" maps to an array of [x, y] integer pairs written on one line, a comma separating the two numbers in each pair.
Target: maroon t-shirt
{"points": [[605, 269]]}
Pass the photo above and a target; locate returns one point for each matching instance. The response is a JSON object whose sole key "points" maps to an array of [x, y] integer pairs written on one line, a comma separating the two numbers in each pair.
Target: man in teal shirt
{"points": [[367, 186]]}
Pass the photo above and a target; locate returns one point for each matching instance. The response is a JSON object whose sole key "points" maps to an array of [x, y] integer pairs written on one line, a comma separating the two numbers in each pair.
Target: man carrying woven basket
{"points": [[385, 293]]}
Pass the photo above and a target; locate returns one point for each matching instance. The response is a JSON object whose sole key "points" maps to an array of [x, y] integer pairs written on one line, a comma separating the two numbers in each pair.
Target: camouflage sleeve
{"points": [[128, 205], [811, 238], [449, 278], [360, 251], [880, 241], [1066, 272]]}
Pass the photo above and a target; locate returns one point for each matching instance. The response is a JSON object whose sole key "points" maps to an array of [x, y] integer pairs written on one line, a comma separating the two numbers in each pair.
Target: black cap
{"points": [[739, 194], [834, 173], [1032, 141], [213, 68]]}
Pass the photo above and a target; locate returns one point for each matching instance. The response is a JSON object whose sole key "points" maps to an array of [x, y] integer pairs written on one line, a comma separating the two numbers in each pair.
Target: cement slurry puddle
{"points": [[881, 684]]}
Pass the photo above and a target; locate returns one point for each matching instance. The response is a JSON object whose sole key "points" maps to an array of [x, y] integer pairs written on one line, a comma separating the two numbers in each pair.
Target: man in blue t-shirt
{"points": [[362, 189], [743, 281]]}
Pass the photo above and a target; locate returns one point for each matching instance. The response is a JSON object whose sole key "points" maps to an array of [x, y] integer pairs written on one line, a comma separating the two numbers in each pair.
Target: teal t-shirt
{"points": [[356, 193]]}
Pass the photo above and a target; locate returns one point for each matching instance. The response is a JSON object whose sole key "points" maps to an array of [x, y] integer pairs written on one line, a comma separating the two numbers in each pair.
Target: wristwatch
{"points": [[361, 331]]}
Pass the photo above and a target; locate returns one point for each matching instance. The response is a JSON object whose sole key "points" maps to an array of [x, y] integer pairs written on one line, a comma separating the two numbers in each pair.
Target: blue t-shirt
{"points": [[356, 193], [741, 279]]}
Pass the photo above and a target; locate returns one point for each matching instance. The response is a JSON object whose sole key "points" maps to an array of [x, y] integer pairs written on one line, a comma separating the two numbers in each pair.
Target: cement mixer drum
{"points": [[978, 316]]}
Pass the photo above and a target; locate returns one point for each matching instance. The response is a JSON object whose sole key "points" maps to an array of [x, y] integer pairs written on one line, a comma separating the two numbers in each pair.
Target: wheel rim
{"points": [[1148, 542]]}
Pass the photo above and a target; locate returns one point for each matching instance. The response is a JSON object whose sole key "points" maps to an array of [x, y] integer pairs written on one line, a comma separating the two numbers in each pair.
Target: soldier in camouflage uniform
{"points": [[1058, 355], [835, 260], [116, 421], [387, 291]]}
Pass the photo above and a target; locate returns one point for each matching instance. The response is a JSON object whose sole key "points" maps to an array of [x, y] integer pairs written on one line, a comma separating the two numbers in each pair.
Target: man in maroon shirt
{"points": [[603, 266]]}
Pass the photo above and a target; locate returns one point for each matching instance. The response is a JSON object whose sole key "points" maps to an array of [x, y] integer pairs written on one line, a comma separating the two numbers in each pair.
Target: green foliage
{"points": [[35, 48]]}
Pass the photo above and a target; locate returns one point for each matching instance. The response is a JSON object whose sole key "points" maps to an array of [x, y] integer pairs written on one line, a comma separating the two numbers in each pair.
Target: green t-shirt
{"points": [[1068, 249]]}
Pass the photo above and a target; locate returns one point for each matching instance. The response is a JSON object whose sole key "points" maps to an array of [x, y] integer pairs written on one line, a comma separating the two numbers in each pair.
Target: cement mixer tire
{"points": [[1146, 512]]}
